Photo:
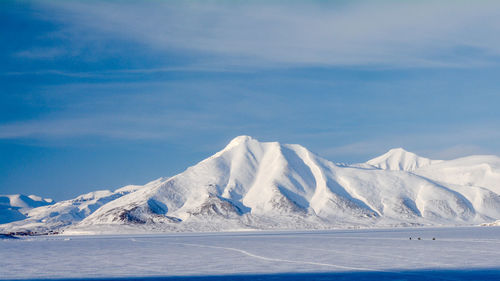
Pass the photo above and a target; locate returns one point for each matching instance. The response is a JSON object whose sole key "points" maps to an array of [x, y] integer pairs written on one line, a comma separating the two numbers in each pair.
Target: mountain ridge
{"points": [[267, 185], [15, 206]]}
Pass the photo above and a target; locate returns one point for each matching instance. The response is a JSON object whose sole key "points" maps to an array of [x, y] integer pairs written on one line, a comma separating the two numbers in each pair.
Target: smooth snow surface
{"points": [[252, 185], [371, 251]]}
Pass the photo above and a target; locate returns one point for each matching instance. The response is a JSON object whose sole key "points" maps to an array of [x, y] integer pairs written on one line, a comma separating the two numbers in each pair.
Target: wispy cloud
{"points": [[447, 144], [41, 53], [140, 111], [156, 127], [122, 72], [382, 33], [215, 36]]}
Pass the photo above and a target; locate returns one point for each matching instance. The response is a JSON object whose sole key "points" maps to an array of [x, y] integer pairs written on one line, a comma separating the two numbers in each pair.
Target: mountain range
{"points": [[267, 185]]}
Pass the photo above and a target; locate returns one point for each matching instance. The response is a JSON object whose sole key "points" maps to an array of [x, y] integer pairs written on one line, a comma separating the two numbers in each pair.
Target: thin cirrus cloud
{"points": [[109, 126], [444, 143], [359, 33], [75, 127], [234, 36], [41, 53], [144, 111]]}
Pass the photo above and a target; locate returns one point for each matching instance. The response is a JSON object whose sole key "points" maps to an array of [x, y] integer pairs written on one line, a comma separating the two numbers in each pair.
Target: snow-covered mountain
{"points": [[400, 160], [495, 223], [14, 207], [62, 214], [268, 185]]}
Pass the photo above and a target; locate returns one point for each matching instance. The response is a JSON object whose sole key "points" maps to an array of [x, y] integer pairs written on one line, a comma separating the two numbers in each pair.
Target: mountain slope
{"points": [[64, 213], [268, 185], [14, 207], [479, 170]]}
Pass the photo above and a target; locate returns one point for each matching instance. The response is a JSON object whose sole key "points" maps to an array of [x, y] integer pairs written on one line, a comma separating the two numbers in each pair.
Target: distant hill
{"points": [[14, 207]]}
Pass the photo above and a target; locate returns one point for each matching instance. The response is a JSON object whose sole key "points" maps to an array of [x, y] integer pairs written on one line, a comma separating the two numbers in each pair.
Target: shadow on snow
{"points": [[428, 274]]}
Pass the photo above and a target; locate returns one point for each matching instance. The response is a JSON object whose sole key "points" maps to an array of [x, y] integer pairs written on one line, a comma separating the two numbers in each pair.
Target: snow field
{"points": [[382, 250]]}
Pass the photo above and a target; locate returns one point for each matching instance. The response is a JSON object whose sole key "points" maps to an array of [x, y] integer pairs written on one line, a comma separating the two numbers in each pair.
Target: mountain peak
{"points": [[398, 150], [240, 139], [399, 159], [400, 153], [237, 141]]}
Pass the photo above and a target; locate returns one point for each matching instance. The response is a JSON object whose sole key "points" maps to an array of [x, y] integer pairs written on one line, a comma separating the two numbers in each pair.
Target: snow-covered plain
{"points": [[454, 255]]}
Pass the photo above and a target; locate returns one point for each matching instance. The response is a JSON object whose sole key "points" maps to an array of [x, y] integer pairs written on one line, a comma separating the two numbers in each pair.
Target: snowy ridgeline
{"points": [[15, 207], [368, 252], [268, 185]]}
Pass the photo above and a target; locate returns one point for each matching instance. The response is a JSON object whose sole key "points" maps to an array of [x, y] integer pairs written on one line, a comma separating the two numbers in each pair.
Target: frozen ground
{"points": [[465, 253]]}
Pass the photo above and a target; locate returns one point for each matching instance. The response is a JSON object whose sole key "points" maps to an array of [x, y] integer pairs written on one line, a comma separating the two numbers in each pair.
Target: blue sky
{"points": [[96, 95]]}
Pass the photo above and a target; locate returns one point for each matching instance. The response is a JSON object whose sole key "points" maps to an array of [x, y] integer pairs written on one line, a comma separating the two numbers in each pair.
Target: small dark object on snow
{"points": [[419, 238], [433, 238], [410, 238], [7, 236]]}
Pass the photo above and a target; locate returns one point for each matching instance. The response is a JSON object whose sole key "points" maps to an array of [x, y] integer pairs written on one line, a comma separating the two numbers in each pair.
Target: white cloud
{"points": [[76, 127], [387, 33], [117, 126]]}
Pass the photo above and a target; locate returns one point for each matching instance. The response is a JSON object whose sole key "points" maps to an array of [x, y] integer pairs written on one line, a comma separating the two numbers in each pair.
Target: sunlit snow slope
{"points": [[400, 159], [268, 185], [62, 214]]}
